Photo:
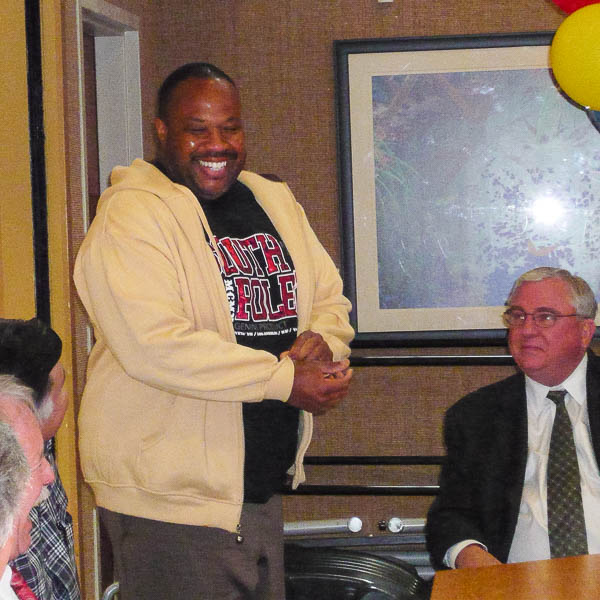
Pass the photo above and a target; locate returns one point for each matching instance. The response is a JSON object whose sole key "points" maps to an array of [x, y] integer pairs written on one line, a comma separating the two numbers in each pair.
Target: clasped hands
{"points": [[320, 383]]}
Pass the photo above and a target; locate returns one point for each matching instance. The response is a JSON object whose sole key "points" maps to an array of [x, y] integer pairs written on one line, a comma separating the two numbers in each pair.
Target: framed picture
{"points": [[461, 166]]}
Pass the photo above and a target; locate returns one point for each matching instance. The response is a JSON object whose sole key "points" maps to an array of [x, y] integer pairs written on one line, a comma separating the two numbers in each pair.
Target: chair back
{"points": [[333, 574]]}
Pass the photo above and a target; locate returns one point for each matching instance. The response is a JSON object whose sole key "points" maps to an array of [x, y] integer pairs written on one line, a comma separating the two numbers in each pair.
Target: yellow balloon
{"points": [[575, 56]]}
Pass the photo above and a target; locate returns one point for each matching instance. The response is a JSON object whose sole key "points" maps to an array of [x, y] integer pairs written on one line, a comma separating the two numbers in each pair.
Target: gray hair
{"points": [[14, 476], [14, 468], [582, 296], [12, 389]]}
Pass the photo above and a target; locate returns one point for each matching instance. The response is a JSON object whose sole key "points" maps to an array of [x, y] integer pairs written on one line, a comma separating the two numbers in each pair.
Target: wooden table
{"points": [[573, 578]]}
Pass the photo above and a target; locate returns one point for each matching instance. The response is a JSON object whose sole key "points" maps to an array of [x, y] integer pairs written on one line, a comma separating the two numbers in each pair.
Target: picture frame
{"points": [[452, 151]]}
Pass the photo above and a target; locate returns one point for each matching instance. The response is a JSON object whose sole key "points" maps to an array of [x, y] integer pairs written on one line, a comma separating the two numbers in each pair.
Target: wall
{"points": [[17, 280], [16, 230], [281, 54]]}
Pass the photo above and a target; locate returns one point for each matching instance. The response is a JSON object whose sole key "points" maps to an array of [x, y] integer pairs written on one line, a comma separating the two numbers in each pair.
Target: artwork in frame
{"points": [[461, 166]]}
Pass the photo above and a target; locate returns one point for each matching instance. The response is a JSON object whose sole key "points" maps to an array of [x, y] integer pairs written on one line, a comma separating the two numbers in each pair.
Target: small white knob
{"points": [[354, 524], [395, 525]]}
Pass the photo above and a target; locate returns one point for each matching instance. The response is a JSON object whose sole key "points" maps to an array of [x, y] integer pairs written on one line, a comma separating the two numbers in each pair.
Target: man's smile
{"points": [[213, 166]]}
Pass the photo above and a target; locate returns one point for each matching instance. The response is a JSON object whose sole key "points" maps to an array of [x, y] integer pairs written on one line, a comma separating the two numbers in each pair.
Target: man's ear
{"points": [[587, 331], [161, 129]]}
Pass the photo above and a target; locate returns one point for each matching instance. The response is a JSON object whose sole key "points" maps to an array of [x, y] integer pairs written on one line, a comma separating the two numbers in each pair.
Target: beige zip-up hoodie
{"points": [[161, 431]]}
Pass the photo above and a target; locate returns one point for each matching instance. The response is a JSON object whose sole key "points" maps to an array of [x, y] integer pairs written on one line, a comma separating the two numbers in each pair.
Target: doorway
{"points": [[110, 128]]}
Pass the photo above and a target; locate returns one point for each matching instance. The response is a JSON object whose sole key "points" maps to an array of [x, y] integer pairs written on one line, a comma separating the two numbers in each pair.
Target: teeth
{"points": [[215, 166]]}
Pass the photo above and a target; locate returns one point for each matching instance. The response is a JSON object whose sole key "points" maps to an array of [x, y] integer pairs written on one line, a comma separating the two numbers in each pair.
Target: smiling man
{"points": [[220, 329], [201, 135], [521, 480]]}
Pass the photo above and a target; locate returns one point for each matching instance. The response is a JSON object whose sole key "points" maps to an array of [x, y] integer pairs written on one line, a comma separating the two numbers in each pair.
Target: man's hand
{"points": [[310, 346], [474, 556], [319, 386]]}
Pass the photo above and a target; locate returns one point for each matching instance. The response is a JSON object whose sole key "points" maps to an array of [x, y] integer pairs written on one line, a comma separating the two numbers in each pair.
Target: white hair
{"points": [[14, 477], [12, 388], [14, 468], [582, 296], [45, 409]]}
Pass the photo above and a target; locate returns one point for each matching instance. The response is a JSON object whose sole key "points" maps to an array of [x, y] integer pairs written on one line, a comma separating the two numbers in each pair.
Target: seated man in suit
{"points": [[23, 474], [30, 350], [520, 483]]}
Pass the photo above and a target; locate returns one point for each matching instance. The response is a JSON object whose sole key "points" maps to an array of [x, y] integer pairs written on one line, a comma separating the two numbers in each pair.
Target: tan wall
{"points": [[17, 293], [17, 280]]}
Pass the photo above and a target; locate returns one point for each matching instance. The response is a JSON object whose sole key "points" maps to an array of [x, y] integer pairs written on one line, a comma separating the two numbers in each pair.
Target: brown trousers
{"points": [[154, 560]]}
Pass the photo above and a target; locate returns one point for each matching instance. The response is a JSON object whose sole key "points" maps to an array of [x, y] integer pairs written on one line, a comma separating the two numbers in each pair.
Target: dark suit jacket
{"points": [[482, 481]]}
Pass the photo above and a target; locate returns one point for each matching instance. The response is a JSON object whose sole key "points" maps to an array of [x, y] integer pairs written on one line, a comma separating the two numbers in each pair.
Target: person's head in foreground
{"points": [[24, 472]]}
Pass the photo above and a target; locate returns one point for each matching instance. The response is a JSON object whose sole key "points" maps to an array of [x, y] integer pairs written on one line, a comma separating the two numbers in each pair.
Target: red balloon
{"points": [[570, 6]]}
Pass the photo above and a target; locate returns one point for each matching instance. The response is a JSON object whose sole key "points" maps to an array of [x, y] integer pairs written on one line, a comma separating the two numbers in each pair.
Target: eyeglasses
{"points": [[514, 317]]}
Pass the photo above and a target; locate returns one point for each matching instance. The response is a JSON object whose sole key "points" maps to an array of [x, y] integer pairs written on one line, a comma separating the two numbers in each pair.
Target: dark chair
{"points": [[332, 574]]}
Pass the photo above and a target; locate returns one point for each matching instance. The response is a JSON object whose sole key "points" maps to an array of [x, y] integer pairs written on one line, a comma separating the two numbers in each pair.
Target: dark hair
{"points": [[196, 70], [29, 350]]}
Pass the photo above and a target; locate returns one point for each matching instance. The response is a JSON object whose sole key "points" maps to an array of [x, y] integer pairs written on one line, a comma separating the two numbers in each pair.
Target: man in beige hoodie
{"points": [[220, 330]]}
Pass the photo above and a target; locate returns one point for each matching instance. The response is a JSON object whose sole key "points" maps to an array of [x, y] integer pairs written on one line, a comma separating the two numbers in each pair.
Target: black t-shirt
{"points": [[260, 282]]}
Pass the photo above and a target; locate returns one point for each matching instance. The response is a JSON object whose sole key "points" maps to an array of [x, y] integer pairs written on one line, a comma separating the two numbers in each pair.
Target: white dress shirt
{"points": [[530, 541], [6, 592]]}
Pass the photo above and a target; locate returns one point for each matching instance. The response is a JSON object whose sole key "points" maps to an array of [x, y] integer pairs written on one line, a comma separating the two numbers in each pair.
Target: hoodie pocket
{"points": [[192, 450]]}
